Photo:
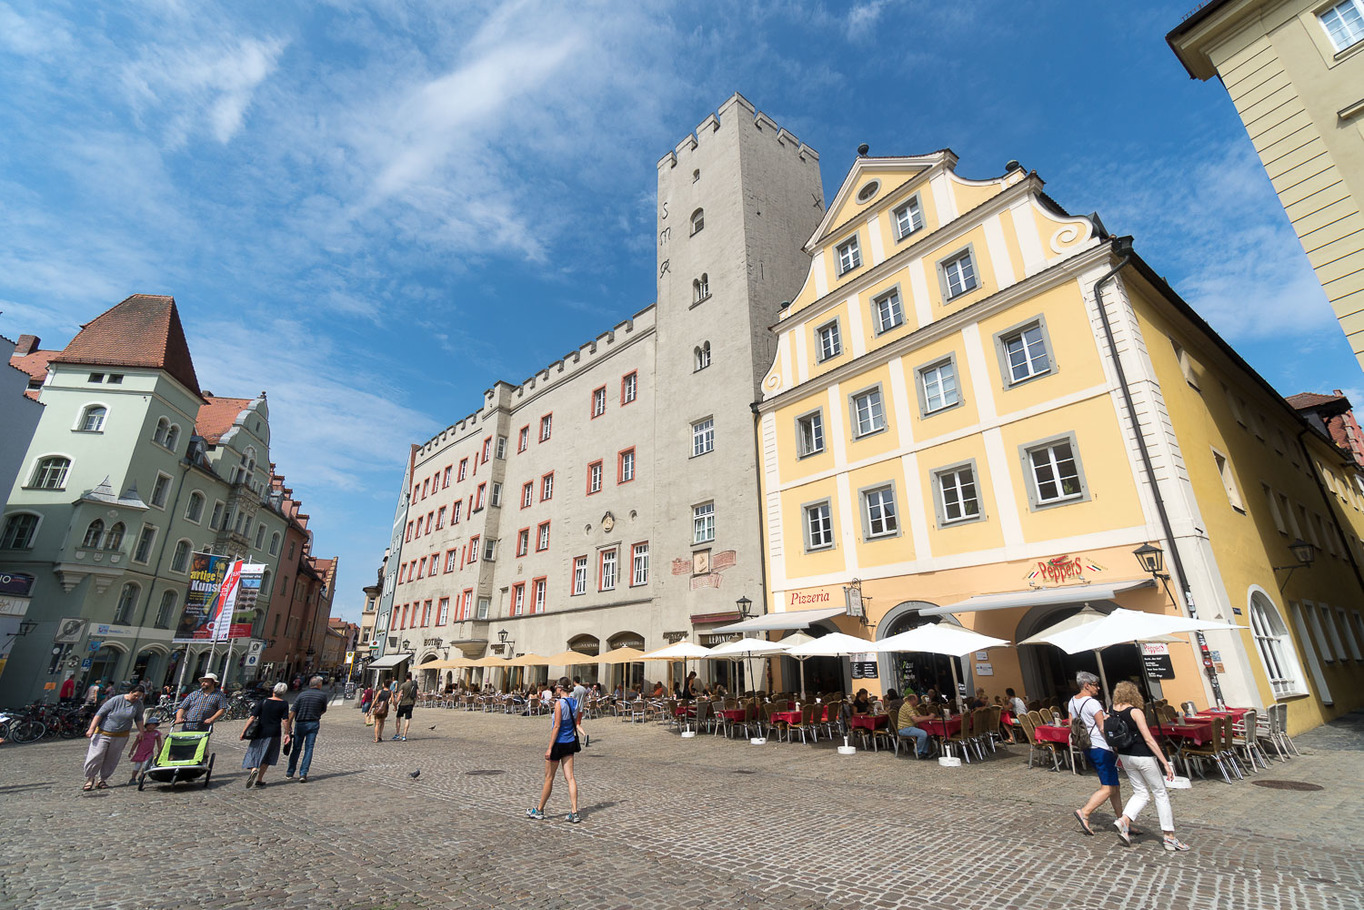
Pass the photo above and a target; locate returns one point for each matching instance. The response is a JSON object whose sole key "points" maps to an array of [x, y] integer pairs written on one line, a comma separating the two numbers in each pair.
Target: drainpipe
{"points": [[1123, 247], [1330, 509]]}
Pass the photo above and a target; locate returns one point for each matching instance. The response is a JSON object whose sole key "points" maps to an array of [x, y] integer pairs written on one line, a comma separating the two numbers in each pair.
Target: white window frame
{"points": [[599, 401], [828, 341], [941, 504], [887, 311], [1034, 483], [528, 494], [876, 497], [160, 490], [45, 477], [606, 569], [702, 436], [546, 427], [876, 412], [908, 218], [1347, 31], [594, 472], [810, 433], [817, 522], [639, 564], [547, 487], [703, 522], [10, 539], [189, 550], [1034, 366], [1275, 646], [629, 387], [579, 575], [191, 514], [701, 357], [538, 586], [849, 255], [542, 537], [494, 494], [151, 542], [87, 412], [959, 274], [933, 373], [626, 471], [1224, 471]]}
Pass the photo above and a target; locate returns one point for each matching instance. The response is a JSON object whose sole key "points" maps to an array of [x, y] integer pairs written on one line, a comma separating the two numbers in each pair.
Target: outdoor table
{"points": [[869, 722], [1051, 733], [735, 715], [1198, 734], [935, 727], [1235, 714]]}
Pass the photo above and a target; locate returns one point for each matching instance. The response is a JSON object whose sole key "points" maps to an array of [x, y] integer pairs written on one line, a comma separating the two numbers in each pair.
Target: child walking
{"points": [[145, 746]]}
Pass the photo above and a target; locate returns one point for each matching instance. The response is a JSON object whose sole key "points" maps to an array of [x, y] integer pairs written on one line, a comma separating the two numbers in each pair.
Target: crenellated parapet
{"points": [[737, 110]]}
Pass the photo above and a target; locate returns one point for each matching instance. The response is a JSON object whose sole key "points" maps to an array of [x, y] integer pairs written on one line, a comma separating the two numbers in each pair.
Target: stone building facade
{"points": [[611, 499]]}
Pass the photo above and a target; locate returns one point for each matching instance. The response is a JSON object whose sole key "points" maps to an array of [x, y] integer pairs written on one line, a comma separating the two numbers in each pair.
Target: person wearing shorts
{"points": [[1086, 708], [407, 700], [565, 730]]}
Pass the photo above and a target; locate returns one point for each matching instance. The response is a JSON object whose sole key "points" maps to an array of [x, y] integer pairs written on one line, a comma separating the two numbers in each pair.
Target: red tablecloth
{"points": [[793, 717], [1234, 713], [935, 727], [734, 714], [1051, 733], [869, 721], [1198, 734]]}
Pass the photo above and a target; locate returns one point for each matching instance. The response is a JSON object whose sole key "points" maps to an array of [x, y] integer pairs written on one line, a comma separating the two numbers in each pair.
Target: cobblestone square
{"points": [[668, 823]]}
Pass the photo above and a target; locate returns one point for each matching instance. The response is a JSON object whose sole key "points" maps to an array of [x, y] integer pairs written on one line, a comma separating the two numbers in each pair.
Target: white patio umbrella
{"points": [[835, 644], [940, 638], [682, 650], [1084, 617], [746, 649]]}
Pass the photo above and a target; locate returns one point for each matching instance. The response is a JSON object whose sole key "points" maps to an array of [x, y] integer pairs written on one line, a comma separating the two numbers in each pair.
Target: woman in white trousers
{"points": [[1147, 769]]}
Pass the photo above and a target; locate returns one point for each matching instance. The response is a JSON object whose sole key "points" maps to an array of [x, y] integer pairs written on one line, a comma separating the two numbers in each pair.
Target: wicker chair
{"points": [[961, 738]]}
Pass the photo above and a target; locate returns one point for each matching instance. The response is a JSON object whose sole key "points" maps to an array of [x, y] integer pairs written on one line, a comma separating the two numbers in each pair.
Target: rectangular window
{"points": [[161, 490], [440, 518], [489, 548], [523, 439], [1054, 467], [546, 424], [869, 414], [451, 560], [501, 451], [484, 607], [626, 467], [580, 575], [1274, 509], [887, 311], [495, 497], [908, 219], [542, 537], [702, 436], [487, 449], [629, 388], [523, 542], [1344, 23], [473, 549], [703, 523], [143, 553], [958, 499], [216, 520], [421, 567], [810, 433], [1228, 481], [878, 512], [938, 386], [958, 275], [538, 605], [639, 565], [547, 487], [1023, 352], [598, 402], [260, 536], [606, 571], [454, 512], [518, 599], [828, 341], [443, 611], [478, 496], [849, 255], [819, 526], [527, 494], [445, 479], [425, 484], [594, 478], [1350, 635], [463, 468]]}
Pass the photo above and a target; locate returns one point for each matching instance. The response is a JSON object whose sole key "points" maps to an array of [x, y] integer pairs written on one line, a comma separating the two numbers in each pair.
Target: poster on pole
{"points": [[206, 573], [234, 610]]}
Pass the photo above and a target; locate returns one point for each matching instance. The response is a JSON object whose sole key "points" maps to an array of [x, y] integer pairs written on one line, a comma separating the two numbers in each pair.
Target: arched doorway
{"points": [[627, 676], [1049, 673], [428, 677], [914, 671], [104, 664], [589, 646], [146, 666]]}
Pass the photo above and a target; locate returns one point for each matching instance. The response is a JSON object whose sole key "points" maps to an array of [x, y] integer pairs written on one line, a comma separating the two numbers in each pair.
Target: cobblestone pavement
{"points": [[668, 823]]}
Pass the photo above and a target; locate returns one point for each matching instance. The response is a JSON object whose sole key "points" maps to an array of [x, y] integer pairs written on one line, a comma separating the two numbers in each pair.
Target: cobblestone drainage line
{"points": [[483, 773], [1287, 785], [745, 771]]}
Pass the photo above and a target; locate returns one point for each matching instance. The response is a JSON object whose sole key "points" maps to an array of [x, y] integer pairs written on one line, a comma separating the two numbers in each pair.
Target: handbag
{"points": [[250, 731], [369, 720]]}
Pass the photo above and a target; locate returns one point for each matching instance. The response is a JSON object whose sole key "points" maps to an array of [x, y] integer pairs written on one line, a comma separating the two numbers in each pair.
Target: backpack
{"points": [[1121, 732], [1079, 736]]}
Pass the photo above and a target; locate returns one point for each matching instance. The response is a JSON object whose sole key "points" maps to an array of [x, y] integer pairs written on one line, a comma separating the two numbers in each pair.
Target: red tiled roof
{"points": [[35, 364], [142, 331], [1312, 400], [217, 416]]}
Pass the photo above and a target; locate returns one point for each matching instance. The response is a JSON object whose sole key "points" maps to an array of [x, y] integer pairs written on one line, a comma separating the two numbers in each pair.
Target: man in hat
{"points": [[200, 709]]}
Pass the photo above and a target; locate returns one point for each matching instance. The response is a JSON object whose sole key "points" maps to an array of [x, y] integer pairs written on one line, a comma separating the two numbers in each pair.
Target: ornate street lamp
{"points": [[1152, 559], [1304, 552], [745, 607]]}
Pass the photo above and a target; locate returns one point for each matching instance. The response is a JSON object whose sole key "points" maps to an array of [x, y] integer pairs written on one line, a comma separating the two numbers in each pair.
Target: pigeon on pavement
{"points": [[415, 774]]}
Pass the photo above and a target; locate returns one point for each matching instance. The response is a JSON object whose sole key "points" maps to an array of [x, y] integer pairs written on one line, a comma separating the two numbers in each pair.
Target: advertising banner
{"points": [[241, 591], [206, 574]]}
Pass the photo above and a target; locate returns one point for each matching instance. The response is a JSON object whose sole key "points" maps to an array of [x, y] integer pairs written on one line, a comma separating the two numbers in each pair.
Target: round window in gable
{"points": [[868, 191]]}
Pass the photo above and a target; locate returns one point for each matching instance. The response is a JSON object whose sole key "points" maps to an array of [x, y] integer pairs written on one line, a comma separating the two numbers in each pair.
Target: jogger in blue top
{"points": [[565, 728]]}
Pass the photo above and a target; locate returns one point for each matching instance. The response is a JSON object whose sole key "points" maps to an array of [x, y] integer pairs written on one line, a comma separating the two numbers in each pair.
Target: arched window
{"points": [[51, 473], [163, 612], [162, 428], [702, 354], [127, 599], [249, 460], [700, 288], [172, 437], [19, 531], [114, 539], [1276, 647], [180, 558], [274, 544], [92, 419], [698, 221], [195, 510], [93, 535]]}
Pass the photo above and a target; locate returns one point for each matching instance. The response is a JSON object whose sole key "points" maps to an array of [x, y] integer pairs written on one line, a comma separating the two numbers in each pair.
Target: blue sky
{"points": [[375, 209]]}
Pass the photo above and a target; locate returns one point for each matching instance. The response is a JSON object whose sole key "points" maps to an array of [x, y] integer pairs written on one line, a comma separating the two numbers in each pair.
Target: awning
{"points": [[795, 619], [1036, 597], [388, 661]]}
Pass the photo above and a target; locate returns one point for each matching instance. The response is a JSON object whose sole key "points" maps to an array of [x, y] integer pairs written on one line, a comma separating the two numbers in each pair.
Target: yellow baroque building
{"points": [[946, 435]]}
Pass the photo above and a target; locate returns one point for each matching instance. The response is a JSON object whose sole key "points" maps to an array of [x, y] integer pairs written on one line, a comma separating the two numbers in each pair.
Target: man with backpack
{"points": [[407, 700], [1087, 734]]}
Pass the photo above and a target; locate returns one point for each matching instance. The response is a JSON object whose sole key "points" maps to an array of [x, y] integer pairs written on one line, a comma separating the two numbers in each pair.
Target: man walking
{"points": [[305, 716], [407, 699], [200, 709]]}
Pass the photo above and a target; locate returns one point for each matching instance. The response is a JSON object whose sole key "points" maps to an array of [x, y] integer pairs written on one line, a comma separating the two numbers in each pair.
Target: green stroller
{"points": [[184, 756]]}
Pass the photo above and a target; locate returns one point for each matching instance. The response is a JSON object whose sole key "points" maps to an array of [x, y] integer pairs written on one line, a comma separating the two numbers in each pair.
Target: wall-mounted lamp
{"points": [[1304, 552]]}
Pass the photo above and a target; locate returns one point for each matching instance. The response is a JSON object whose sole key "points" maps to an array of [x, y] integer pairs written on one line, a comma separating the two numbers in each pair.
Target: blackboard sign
{"points": [[1158, 666], [864, 669]]}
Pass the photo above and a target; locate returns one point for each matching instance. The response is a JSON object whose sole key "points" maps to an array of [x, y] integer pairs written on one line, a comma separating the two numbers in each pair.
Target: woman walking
{"points": [[565, 728], [108, 730], [271, 717], [379, 710], [1143, 760]]}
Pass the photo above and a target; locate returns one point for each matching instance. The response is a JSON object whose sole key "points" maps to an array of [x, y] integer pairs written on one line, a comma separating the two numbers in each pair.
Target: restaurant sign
{"points": [[863, 665], [1061, 569], [1155, 660]]}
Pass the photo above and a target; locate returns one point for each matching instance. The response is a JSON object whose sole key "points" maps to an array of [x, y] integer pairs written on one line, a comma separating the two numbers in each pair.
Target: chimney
{"points": [[27, 345]]}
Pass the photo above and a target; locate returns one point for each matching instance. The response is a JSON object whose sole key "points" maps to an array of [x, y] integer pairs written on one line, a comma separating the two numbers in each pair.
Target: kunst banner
{"points": [[237, 602], [206, 573]]}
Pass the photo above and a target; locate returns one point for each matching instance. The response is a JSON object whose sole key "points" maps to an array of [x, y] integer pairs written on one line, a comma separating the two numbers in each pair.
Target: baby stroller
{"points": [[184, 756]]}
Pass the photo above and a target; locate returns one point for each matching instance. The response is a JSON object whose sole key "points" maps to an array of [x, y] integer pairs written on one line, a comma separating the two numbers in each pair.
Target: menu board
{"points": [[1155, 661], [863, 666]]}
